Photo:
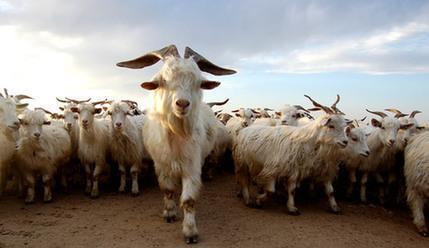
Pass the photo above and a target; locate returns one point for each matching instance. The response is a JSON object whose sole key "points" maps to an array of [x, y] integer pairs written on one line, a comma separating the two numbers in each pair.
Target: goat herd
{"points": [[180, 133]]}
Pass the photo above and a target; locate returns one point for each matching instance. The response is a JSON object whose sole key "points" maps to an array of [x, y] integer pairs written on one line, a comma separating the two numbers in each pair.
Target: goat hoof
{"points": [[170, 219], [335, 211], [47, 200], [135, 194], [27, 202], [239, 194], [424, 234], [191, 240], [294, 213]]}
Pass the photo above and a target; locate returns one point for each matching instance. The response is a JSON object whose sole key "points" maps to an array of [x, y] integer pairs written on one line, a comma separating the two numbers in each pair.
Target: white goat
{"points": [[9, 125], [380, 142], [265, 154], [416, 170], [127, 143], [41, 149], [289, 115], [179, 132], [94, 144], [244, 117]]}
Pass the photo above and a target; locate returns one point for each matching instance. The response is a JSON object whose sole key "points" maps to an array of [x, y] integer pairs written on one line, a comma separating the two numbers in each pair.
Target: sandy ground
{"points": [[116, 220]]}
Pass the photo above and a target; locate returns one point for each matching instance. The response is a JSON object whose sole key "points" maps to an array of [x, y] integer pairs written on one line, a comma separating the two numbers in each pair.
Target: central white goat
{"points": [[264, 154], [94, 141], [127, 143], [180, 130]]}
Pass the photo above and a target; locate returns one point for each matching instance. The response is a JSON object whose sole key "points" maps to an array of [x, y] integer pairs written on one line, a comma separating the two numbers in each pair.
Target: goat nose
{"points": [[37, 135], [367, 153], [84, 121], [69, 125], [16, 123], [118, 124], [345, 142], [391, 142], [182, 103]]}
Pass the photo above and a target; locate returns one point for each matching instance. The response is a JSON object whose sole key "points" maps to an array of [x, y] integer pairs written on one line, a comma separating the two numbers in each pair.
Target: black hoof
{"points": [[294, 213], [424, 234], [191, 240], [135, 194], [170, 219], [337, 212]]}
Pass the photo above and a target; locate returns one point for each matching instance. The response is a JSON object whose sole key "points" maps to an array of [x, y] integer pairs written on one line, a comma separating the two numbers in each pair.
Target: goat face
{"points": [[32, 124], [388, 130], [119, 112], [333, 130], [86, 114], [8, 110], [357, 143]]}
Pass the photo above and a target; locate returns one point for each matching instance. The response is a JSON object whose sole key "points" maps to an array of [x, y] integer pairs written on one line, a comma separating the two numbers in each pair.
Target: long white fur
{"points": [[94, 146], [416, 170], [265, 154], [178, 145], [43, 155], [127, 143]]}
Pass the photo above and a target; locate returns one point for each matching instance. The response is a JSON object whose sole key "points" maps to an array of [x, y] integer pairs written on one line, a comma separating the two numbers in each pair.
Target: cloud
{"points": [[70, 48]]}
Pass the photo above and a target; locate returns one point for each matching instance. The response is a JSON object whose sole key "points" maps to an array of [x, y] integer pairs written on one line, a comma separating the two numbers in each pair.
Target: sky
{"points": [[375, 54]]}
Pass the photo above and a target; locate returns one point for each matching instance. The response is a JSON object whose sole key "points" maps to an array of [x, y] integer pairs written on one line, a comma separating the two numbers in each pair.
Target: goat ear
{"points": [[208, 85], [46, 123], [74, 109], [130, 113], [97, 110], [150, 85], [406, 126], [326, 121], [278, 113], [314, 109], [375, 123], [61, 108]]}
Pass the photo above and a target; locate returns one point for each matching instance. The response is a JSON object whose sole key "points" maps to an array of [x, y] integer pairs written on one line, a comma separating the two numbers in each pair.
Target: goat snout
{"points": [[365, 153], [391, 142], [68, 125], [15, 125], [36, 134], [182, 103], [118, 125]]}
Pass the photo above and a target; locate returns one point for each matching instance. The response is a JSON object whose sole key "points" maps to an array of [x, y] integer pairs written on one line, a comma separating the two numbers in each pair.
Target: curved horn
{"points": [[363, 119], [78, 101], [206, 65], [334, 106], [254, 111], [101, 102], [299, 107], [63, 101], [356, 122], [211, 104], [268, 109], [316, 104], [1, 95], [381, 114], [44, 110], [150, 58], [6, 93], [20, 97], [413, 114], [398, 114]]}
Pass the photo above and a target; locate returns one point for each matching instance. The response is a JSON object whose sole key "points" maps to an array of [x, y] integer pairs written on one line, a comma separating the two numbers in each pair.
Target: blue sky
{"points": [[374, 53]]}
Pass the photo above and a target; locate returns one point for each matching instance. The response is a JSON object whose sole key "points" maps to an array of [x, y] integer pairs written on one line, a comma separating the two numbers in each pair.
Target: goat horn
{"points": [[44, 110], [413, 114], [398, 114], [211, 104], [6, 93], [363, 119], [381, 114], [63, 101], [205, 65], [316, 104], [100, 102], [20, 97], [78, 101], [301, 108], [150, 58]]}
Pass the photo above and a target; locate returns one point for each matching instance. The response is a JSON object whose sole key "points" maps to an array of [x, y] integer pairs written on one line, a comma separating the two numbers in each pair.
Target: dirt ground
{"points": [[116, 220]]}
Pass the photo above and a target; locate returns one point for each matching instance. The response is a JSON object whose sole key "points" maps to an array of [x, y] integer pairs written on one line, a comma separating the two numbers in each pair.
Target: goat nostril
{"points": [[182, 103], [36, 135], [345, 142], [84, 121], [118, 124], [16, 123], [367, 153], [392, 142]]}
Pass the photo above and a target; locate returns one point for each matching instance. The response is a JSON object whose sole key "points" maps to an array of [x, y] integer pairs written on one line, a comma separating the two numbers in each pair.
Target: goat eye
{"points": [[354, 139], [293, 116], [383, 128], [331, 126]]}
